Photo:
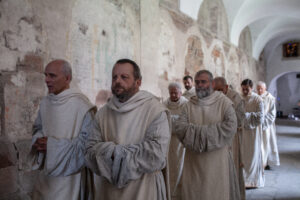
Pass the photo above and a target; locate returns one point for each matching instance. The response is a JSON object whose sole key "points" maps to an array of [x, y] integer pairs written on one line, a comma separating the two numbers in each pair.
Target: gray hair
{"points": [[66, 68], [221, 80], [210, 76], [174, 85], [261, 83]]}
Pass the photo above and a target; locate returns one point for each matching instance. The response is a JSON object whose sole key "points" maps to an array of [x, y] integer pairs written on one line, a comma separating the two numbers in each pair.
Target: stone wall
{"points": [[92, 35]]}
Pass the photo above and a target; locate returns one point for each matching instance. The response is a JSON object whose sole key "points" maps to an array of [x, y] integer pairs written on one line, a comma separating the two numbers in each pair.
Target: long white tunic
{"points": [[176, 150], [269, 144], [189, 93], [251, 141], [239, 107], [64, 119], [206, 128], [128, 148]]}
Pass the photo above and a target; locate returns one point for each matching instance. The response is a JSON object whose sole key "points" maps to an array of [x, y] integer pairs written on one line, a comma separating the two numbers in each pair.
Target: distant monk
{"points": [[206, 128], [175, 104], [269, 147], [252, 137], [59, 134], [129, 140], [238, 104], [190, 89]]}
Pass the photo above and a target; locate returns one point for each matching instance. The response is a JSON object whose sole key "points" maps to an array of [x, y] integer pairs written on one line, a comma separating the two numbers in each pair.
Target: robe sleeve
{"points": [[240, 113], [204, 138], [35, 158], [120, 164], [270, 116], [254, 119]]}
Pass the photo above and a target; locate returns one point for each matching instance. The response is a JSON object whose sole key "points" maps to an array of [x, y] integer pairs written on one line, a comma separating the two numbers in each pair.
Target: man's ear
{"points": [[139, 82], [213, 84], [68, 79], [226, 86]]}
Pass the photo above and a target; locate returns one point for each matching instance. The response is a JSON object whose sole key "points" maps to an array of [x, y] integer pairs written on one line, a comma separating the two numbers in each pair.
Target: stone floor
{"points": [[282, 182]]}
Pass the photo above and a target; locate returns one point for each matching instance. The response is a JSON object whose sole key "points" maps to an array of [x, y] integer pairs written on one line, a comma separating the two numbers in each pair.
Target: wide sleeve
{"points": [[270, 116], [254, 119], [66, 156], [35, 158], [204, 138], [240, 113]]}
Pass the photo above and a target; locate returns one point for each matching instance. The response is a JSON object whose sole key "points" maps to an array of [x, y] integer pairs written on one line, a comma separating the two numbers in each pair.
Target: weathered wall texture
{"points": [[92, 35]]}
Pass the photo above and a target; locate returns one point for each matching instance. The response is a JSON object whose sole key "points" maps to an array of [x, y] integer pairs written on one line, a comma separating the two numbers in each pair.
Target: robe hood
{"points": [[206, 101], [65, 95], [136, 100], [175, 105]]}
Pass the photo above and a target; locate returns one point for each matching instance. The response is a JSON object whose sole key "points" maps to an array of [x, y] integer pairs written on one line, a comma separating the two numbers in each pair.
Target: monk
{"points": [[129, 139], [175, 104], [269, 140], [188, 84], [206, 128], [238, 104], [59, 135], [252, 137]]}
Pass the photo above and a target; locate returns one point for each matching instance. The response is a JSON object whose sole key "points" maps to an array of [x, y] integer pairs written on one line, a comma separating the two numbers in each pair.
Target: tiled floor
{"points": [[282, 182]]}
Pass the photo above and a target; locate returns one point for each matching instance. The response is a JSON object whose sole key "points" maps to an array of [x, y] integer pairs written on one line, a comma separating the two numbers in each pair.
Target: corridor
{"points": [[282, 182]]}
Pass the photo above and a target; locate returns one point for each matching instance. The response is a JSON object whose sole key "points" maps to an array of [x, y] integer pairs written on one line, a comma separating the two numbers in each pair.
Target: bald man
{"points": [[269, 140], [238, 104], [59, 134]]}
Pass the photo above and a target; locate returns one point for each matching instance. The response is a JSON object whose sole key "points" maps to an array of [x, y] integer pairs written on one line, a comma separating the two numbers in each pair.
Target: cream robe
{"points": [[251, 141], [206, 128], [128, 148], [269, 144], [60, 119], [176, 150], [189, 93], [239, 107]]}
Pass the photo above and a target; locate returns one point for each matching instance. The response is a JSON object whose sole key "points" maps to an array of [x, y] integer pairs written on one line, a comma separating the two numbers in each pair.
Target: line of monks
{"points": [[209, 143]]}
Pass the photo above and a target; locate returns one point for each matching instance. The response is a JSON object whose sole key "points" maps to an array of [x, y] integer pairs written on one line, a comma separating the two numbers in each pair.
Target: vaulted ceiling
{"points": [[271, 22]]}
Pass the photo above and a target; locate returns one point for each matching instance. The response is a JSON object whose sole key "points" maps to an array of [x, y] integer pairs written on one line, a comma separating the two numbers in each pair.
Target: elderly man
{"points": [[59, 133], [238, 104], [206, 128], [252, 137], [129, 140], [176, 151], [188, 84], [269, 140]]}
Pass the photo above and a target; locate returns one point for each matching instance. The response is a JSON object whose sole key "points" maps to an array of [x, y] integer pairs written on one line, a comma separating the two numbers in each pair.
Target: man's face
{"points": [[123, 84], [175, 94], [220, 87], [55, 79], [188, 84], [204, 87], [260, 89], [246, 90]]}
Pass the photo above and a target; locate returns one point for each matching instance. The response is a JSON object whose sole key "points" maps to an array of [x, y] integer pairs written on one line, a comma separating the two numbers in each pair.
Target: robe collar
{"points": [[209, 100], [177, 104], [65, 95]]}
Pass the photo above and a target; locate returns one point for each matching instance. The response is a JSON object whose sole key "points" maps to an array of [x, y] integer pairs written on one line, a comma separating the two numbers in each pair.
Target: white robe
{"points": [[239, 107], [176, 150], [128, 148], [269, 144], [251, 141], [189, 93], [206, 128], [62, 174]]}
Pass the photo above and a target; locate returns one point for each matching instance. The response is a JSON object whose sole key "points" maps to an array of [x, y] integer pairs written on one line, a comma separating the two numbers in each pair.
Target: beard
{"points": [[204, 92], [125, 94]]}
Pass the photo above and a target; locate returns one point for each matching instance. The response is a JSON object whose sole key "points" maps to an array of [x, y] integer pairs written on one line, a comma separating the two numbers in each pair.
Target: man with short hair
{"points": [[252, 137], [238, 104], [206, 128], [129, 139], [175, 104], [269, 140], [188, 84], [59, 133]]}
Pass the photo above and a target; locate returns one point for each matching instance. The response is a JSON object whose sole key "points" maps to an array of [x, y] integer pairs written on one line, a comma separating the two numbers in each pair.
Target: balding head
{"points": [[58, 75], [221, 85]]}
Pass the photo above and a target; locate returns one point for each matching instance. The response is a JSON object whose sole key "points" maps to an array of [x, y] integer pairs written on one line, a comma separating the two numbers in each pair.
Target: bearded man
{"points": [[188, 85], [59, 134], [129, 140], [175, 104], [252, 137], [238, 104], [206, 128], [269, 141]]}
